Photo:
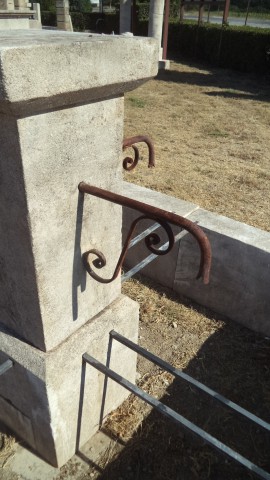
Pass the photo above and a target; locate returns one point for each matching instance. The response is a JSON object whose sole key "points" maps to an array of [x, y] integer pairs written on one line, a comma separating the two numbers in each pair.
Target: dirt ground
{"points": [[210, 128], [211, 133], [226, 357]]}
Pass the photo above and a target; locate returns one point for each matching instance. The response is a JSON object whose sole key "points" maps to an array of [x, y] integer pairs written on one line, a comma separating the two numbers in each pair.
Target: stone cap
{"points": [[46, 69]]}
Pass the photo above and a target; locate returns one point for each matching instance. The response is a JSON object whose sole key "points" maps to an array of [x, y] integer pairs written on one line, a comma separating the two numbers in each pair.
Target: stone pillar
{"points": [[61, 109], [62, 15], [155, 24], [36, 21], [155, 28], [125, 16]]}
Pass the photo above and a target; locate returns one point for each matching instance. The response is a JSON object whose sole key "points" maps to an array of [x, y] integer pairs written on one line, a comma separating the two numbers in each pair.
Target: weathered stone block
{"points": [[52, 400], [46, 225], [60, 126]]}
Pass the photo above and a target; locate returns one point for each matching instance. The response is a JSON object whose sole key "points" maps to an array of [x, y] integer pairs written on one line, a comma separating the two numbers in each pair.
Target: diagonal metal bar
{"points": [[178, 373], [6, 366], [137, 268], [176, 417]]}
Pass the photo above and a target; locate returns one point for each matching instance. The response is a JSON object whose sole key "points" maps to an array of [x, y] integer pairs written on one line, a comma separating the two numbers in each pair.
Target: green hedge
{"points": [[48, 19], [96, 22], [239, 48]]}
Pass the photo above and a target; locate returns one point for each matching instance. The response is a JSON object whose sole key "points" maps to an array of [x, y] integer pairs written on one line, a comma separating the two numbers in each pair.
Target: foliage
{"points": [[78, 21], [143, 10], [80, 6], [48, 18], [239, 48], [48, 6], [74, 6], [255, 5], [95, 22]]}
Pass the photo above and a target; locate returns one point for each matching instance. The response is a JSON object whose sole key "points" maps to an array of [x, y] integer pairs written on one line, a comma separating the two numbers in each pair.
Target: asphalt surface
{"points": [[240, 21]]}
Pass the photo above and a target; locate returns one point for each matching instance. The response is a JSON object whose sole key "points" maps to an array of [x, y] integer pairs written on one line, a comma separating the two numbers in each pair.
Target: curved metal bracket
{"points": [[158, 215], [130, 163], [150, 240]]}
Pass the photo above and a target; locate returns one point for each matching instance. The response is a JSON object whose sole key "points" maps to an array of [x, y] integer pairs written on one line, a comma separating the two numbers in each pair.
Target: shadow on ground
{"points": [[230, 84], [233, 361]]}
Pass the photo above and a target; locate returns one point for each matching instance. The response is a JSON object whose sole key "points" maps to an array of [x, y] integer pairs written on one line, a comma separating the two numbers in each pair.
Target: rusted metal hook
{"points": [[130, 163], [157, 214]]}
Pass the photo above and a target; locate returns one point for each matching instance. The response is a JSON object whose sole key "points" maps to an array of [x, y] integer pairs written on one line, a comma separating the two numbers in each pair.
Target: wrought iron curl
{"points": [[130, 163], [154, 239], [156, 214], [151, 240]]}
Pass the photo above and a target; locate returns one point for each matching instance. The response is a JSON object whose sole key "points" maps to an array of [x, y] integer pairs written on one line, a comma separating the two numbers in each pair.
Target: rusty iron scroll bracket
{"points": [[130, 163], [157, 215]]}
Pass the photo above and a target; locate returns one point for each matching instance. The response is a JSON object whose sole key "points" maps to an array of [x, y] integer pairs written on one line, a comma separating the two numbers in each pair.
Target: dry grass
{"points": [[7, 448], [232, 360], [211, 133]]}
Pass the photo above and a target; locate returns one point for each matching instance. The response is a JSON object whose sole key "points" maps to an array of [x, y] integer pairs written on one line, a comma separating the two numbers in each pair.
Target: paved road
{"points": [[252, 22]]}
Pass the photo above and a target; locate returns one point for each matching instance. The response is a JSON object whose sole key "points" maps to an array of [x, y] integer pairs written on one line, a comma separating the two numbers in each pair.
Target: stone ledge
{"points": [[240, 276], [34, 56]]}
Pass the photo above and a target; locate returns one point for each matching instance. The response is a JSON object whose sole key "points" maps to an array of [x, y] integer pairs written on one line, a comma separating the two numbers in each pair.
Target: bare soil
{"points": [[211, 134]]}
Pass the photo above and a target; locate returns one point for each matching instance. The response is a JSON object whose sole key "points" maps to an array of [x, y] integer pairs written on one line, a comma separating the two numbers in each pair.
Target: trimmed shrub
{"points": [[48, 19], [239, 48], [96, 22], [78, 21]]}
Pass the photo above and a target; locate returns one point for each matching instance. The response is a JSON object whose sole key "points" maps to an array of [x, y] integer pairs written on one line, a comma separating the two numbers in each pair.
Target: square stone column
{"points": [[61, 109], [62, 15]]}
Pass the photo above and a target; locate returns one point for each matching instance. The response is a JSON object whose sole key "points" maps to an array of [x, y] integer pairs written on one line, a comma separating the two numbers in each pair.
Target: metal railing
{"points": [[4, 367], [159, 216], [171, 414]]}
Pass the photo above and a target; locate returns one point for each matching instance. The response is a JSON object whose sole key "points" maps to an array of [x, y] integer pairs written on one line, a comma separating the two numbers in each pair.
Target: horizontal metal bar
{"points": [[176, 417], [137, 268], [6, 366], [178, 373], [144, 234], [130, 273]]}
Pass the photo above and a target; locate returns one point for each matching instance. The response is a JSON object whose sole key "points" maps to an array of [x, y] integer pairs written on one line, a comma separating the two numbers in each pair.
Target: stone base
{"points": [[164, 64], [14, 23], [25, 465], [53, 400]]}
